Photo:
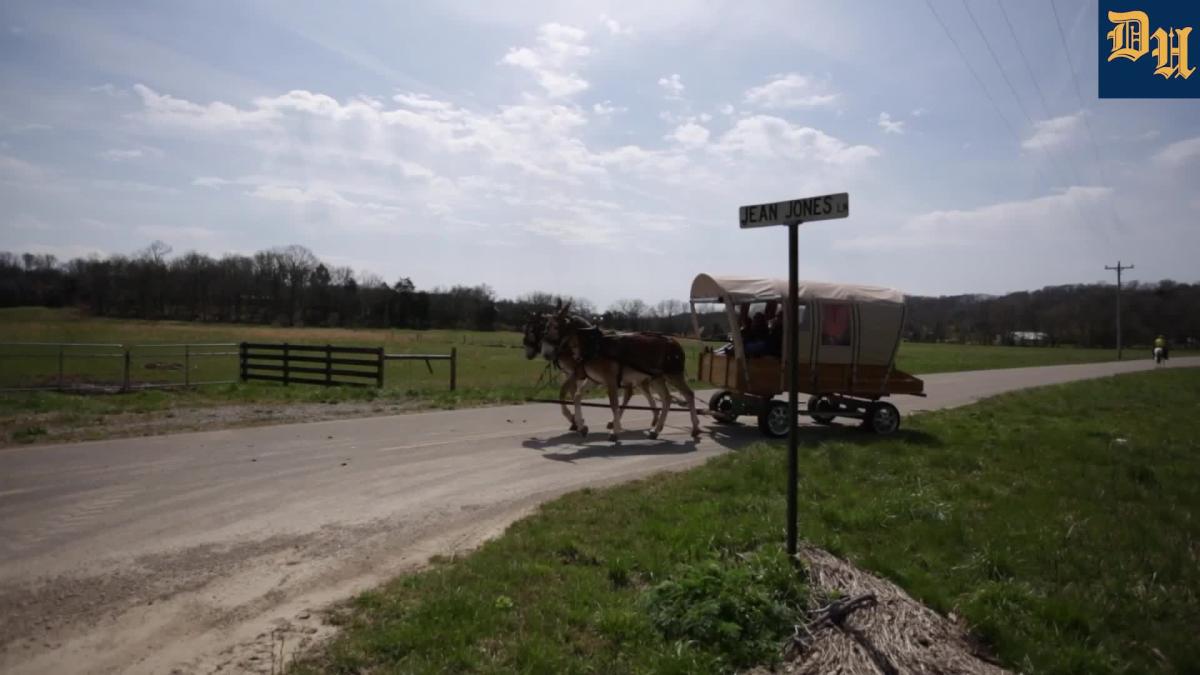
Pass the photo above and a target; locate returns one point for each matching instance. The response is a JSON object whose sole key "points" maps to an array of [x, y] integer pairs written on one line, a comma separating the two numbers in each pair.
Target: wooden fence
{"points": [[327, 365], [96, 368], [312, 364]]}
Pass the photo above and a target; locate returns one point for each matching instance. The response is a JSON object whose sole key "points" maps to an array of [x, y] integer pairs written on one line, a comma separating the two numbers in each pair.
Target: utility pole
{"points": [[1119, 268]]}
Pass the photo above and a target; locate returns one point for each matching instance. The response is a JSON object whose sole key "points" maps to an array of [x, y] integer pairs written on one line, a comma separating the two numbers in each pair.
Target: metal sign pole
{"points": [[793, 381], [793, 213]]}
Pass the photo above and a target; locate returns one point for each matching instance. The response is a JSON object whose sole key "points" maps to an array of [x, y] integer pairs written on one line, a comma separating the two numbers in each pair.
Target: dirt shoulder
{"points": [[66, 427]]}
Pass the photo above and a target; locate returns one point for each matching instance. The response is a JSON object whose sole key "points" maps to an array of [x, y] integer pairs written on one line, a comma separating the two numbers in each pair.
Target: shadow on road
{"points": [[633, 443], [571, 446], [736, 435]]}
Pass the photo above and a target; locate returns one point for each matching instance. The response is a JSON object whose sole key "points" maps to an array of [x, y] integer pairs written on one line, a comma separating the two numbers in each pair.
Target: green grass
{"points": [[492, 366], [1060, 523], [919, 357]]}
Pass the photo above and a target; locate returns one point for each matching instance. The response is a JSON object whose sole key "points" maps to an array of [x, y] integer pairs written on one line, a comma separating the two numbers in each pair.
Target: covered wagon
{"points": [[848, 337]]}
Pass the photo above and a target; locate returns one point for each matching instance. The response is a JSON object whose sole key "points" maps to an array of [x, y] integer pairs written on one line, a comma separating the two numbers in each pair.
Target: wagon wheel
{"points": [[821, 404], [774, 420], [723, 407], [882, 418]]}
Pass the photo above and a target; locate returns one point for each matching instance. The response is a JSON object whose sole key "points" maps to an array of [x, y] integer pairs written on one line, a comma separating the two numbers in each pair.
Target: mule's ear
{"points": [[566, 308], [557, 304]]}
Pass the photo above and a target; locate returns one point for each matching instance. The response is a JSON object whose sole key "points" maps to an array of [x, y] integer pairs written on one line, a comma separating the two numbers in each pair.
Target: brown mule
{"points": [[534, 332], [619, 360]]}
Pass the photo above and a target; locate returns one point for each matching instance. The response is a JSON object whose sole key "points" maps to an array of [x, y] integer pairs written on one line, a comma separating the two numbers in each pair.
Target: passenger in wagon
{"points": [[775, 336], [757, 337]]}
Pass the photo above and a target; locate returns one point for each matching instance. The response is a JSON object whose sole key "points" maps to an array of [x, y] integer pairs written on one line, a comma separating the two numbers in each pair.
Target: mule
{"points": [[619, 360], [533, 334]]}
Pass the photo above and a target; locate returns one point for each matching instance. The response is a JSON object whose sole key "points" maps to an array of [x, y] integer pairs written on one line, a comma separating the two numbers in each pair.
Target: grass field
{"points": [[492, 367], [1059, 523], [492, 360]]}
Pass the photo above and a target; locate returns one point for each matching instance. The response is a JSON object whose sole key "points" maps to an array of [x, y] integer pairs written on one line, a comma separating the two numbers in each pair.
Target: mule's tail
{"points": [[675, 361]]}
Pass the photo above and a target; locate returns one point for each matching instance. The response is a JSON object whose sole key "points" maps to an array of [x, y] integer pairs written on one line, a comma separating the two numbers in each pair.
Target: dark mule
{"points": [[534, 333], [619, 360]]}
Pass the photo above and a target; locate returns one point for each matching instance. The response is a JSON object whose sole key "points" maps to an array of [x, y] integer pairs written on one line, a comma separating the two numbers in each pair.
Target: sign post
{"points": [[792, 213]]}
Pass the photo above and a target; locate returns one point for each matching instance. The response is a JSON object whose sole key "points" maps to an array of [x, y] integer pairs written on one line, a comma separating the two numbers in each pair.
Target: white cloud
{"points": [[1055, 132], [552, 61], [170, 111], [118, 155], [726, 109], [175, 233], [917, 112], [672, 86], [607, 108], [108, 89], [690, 135], [299, 195], [615, 26], [1014, 221], [889, 125], [1179, 152], [26, 128], [127, 154], [14, 168], [209, 181], [790, 90], [133, 186], [767, 137]]}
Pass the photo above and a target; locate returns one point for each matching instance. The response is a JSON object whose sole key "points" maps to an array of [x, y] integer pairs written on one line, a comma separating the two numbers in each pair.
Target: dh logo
{"points": [[1128, 34]]}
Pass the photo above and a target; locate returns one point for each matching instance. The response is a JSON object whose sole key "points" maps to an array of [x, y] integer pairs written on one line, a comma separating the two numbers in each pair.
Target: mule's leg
{"points": [[665, 395], [613, 385], [679, 381], [580, 426], [625, 401], [568, 387], [650, 399]]}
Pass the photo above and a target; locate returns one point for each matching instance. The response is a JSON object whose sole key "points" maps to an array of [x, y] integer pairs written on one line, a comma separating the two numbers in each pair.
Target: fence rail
{"points": [[110, 367], [452, 357], [98, 375], [281, 358]]}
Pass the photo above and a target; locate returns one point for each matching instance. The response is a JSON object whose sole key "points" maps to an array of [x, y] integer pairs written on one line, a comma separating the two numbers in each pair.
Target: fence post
{"points": [[242, 360], [379, 367], [287, 363], [328, 365], [453, 368], [125, 380], [60, 367], [187, 365]]}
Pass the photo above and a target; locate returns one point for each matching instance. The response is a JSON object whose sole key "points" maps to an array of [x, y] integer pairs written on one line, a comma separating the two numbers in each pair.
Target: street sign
{"points": [[803, 210], [792, 213]]}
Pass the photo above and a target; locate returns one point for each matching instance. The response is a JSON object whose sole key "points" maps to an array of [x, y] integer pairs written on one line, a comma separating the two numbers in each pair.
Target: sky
{"points": [[597, 149]]}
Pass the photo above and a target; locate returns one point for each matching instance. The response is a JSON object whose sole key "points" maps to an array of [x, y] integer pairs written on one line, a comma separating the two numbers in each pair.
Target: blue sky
{"points": [[597, 149]]}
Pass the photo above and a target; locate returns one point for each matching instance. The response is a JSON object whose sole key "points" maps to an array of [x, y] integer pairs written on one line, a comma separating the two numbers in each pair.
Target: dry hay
{"points": [[876, 628]]}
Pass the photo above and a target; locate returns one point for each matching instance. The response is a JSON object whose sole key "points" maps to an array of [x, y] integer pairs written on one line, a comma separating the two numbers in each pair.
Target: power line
{"points": [[1024, 59], [1067, 175], [1087, 124], [979, 80], [1062, 36], [971, 68]]}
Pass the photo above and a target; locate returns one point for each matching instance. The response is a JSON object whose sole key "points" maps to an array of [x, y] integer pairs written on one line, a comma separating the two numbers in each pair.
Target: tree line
{"points": [[288, 286], [291, 286], [1076, 314]]}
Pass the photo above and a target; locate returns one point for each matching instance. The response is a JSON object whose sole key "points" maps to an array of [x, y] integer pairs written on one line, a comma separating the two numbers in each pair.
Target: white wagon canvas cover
{"points": [[872, 315]]}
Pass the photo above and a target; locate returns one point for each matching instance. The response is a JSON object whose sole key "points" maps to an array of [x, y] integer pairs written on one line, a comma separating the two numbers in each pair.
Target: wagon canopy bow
{"points": [[740, 290]]}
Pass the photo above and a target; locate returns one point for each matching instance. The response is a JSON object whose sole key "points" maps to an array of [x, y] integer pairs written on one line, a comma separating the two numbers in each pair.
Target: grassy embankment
{"points": [[1059, 523]]}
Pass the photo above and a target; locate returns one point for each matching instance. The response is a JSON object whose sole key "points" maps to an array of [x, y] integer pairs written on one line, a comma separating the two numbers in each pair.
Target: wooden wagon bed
{"points": [[767, 377]]}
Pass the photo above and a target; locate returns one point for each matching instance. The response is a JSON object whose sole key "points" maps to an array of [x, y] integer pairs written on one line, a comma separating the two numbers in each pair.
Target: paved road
{"points": [[201, 551]]}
